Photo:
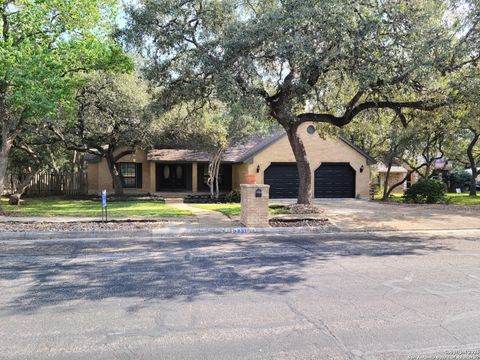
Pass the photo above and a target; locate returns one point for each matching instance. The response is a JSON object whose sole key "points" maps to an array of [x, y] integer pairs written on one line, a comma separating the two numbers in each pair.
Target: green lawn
{"points": [[234, 209], [463, 199], [117, 209], [453, 198]]}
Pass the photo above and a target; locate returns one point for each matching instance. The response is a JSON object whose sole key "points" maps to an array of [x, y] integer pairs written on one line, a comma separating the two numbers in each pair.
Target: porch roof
{"points": [[176, 155]]}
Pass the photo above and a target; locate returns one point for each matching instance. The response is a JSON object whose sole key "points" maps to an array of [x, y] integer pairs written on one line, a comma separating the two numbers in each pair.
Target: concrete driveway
{"points": [[354, 215], [381, 295]]}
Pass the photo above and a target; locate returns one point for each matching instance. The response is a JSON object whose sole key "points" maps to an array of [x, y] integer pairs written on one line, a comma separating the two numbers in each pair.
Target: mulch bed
{"points": [[16, 226], [300, 215], [276, 222], [304, 209]]}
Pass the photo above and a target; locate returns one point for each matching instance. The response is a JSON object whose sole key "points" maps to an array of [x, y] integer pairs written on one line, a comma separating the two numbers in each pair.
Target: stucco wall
{"points": [[238, 175], [318, 151], [92, 177], [99, 177]]}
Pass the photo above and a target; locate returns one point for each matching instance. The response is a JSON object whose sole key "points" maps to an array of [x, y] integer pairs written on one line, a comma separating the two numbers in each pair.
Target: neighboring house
{"points": [[397, 174], [339, 168]]}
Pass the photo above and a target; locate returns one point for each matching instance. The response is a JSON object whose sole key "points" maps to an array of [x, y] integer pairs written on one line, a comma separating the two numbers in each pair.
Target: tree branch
{"points": [[351, 113], [122, 154]]}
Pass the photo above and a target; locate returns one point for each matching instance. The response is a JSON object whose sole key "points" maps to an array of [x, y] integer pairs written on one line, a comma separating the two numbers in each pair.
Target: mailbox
{"points": [[254, 207]]}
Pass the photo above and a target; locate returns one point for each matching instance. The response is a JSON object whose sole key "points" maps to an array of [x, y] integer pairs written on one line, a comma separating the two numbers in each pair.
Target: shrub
{"points": [[458, 178], [426, 192], [233, 196]]}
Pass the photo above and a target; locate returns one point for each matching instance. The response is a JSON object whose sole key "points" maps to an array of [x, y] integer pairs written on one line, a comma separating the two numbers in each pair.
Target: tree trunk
{"points": [[385, 183], [217, 187], [213, 171], [14, 199], [210, 178], [394, 186], [5, 141], [305, 194], [473, 164], [412, 170], [6, 145], [115, 174]]}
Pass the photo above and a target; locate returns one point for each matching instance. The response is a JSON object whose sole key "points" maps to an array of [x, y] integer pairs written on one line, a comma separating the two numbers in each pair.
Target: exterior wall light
{"points": [[258, 169], [361, 168]]}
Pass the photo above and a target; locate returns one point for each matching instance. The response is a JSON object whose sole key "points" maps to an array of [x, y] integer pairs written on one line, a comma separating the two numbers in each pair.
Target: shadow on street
{"points": [[180, 268]]}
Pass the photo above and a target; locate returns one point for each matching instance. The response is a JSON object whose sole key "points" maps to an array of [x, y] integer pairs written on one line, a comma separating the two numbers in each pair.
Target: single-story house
{"points": [[339, 168], [397, 174]]}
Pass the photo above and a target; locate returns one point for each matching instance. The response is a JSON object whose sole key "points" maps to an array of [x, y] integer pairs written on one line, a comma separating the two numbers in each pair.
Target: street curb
{"points": [[33, 235], [158, 233]]}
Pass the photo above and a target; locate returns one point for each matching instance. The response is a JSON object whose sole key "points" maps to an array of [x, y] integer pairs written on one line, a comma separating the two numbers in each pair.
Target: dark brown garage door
{"points": [[334, 180], [283, 180]]}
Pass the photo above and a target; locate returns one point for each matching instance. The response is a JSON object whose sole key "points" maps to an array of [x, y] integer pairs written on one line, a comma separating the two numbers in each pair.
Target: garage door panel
{"points": [[335, 181], [283, 180], [331, 181]]}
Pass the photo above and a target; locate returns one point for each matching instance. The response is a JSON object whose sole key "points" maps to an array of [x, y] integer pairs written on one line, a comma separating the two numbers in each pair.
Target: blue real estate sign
{"points": [[104, 198]]}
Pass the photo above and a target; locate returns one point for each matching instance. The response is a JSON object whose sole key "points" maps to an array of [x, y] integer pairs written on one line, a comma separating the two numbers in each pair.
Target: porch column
{"points": [[153, 174], [194, 178]]}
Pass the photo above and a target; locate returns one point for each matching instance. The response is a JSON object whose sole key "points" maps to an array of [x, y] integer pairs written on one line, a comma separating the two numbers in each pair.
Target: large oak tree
{"points": [[44, 44], [416, 142], [467, 113], [321, 61], [109, 121]]}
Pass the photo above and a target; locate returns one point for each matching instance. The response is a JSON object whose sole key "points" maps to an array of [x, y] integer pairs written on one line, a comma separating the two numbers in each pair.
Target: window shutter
{"points": [[139, 174]]}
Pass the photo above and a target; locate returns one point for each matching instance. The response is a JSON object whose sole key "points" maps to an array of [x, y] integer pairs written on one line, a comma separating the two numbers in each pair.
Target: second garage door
{"points": [[335, 181], [283, 180]]}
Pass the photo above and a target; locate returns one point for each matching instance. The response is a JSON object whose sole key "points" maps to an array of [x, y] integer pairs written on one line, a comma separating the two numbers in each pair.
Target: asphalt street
{"points": [[376, 295]]}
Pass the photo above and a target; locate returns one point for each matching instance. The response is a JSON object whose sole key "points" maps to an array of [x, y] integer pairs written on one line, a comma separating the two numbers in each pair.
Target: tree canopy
{"points": [[110, 119], [212, 130], [44, 44], [321, 61]]}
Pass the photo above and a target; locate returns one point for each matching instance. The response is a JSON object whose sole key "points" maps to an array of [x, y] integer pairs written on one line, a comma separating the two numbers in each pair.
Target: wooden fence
{"points": [[44, 184]]}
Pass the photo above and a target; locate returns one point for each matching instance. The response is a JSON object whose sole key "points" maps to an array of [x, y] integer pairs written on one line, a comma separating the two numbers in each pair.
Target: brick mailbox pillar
{"points": [[254, 211]]}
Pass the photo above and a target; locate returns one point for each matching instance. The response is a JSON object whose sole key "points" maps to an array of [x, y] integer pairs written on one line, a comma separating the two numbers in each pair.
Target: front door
{"points": [[171, 177]]}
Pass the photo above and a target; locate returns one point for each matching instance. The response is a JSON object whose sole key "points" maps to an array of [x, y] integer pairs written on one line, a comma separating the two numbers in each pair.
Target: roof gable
{"points": [[370, 160], [266, 142]]}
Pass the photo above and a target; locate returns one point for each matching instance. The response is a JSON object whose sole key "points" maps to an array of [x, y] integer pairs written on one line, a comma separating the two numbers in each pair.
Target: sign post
{"points": [[104, 205]]}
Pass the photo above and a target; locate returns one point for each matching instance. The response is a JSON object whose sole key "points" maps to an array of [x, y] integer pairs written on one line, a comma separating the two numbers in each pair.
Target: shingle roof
{"points": [[243, 151], [176, 155], [381, 168], [234, 154], [91, 157]]}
